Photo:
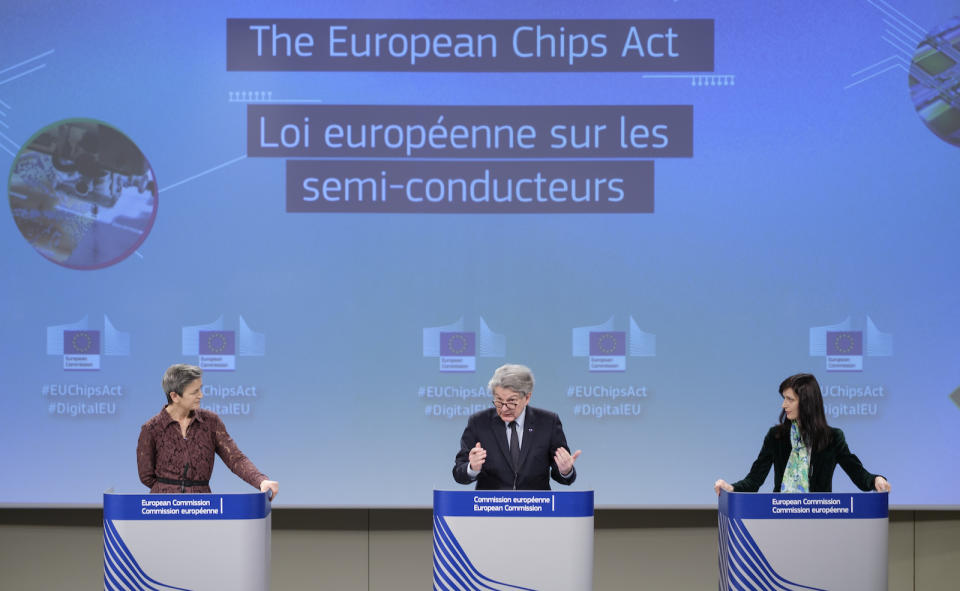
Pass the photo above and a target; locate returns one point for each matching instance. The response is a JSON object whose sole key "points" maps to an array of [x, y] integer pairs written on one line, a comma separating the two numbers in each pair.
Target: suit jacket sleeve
{"points": [[761, 466], [851, 464], [462, 461], [558, 440]]}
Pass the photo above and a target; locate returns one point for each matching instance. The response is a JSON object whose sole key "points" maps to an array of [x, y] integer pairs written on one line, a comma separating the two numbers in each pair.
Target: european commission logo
{"points": [[607, 349], [82, 346], [217, 349], [458, 349], [843, 347]]}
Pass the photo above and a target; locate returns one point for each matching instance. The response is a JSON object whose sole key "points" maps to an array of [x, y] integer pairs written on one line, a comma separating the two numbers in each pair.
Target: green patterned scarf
{"points": [[796, 478]]}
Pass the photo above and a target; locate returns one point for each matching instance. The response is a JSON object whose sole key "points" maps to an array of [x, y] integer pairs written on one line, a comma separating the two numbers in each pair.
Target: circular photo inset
{"points": [[935, 81], [82, 194]]}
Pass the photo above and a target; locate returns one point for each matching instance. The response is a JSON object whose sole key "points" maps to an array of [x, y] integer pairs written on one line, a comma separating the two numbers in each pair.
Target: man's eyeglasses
{"points": [[508, 404]]}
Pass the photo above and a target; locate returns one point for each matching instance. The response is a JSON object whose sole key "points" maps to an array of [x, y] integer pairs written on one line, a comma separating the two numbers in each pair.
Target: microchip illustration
{"points": [[935, 81]]}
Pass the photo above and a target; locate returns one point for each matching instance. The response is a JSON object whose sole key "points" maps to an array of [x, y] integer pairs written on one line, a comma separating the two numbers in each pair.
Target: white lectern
{"points": [[195, 542], [513, 540], [810, 541]]}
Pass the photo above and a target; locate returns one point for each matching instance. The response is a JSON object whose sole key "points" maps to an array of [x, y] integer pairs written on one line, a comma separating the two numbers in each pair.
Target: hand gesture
{"points": [[565, 461], [478, 456], [880, 484]]}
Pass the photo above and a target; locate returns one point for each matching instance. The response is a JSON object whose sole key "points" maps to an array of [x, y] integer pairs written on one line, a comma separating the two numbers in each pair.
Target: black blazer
{"points": [[776, 450], [542, 435]]}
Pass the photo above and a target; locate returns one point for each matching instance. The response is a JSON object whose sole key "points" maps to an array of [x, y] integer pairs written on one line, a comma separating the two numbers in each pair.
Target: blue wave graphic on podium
{"points": [[452, 570], [121, 572], [743, 567]]}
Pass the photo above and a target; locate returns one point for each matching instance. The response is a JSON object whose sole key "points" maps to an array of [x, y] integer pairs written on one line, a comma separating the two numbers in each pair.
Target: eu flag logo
{"points": [[458, 351], [608, 343], [608, 350], [81, 350], [848, 342], [457, 344], [81, 342], [845, 350], [217, 342], [218, 350]]}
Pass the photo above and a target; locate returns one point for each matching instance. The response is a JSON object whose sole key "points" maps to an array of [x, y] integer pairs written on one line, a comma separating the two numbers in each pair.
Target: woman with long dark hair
{"points": [[803, 448]]}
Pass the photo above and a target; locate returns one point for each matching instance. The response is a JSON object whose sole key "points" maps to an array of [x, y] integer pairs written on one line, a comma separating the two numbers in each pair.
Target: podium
{"points": [[513, 540], [195, 542], [808, 541]]}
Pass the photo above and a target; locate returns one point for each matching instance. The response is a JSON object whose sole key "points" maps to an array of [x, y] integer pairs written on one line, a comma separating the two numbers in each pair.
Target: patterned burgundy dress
{"points": [[163, 452]]}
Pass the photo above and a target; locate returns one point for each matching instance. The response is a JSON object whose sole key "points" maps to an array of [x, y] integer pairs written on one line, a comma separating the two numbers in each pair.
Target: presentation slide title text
{"points": [[676, 45]]}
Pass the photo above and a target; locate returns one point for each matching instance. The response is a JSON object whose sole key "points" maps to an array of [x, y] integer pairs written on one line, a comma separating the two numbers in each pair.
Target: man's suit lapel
{"points": [[529, 433], [500, 436]]}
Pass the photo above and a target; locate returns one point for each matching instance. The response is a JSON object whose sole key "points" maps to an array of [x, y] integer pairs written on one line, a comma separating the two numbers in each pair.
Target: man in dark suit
{"points": [[513, 446]]}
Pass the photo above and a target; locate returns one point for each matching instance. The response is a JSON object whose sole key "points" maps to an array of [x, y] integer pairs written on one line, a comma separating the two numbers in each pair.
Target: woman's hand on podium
{"points": [[722, 484], [880, 484], [270, 485]]}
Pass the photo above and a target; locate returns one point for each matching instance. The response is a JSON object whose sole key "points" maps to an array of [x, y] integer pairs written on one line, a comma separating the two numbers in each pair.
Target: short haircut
{"points": [[178, 376], [514, 377]]}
